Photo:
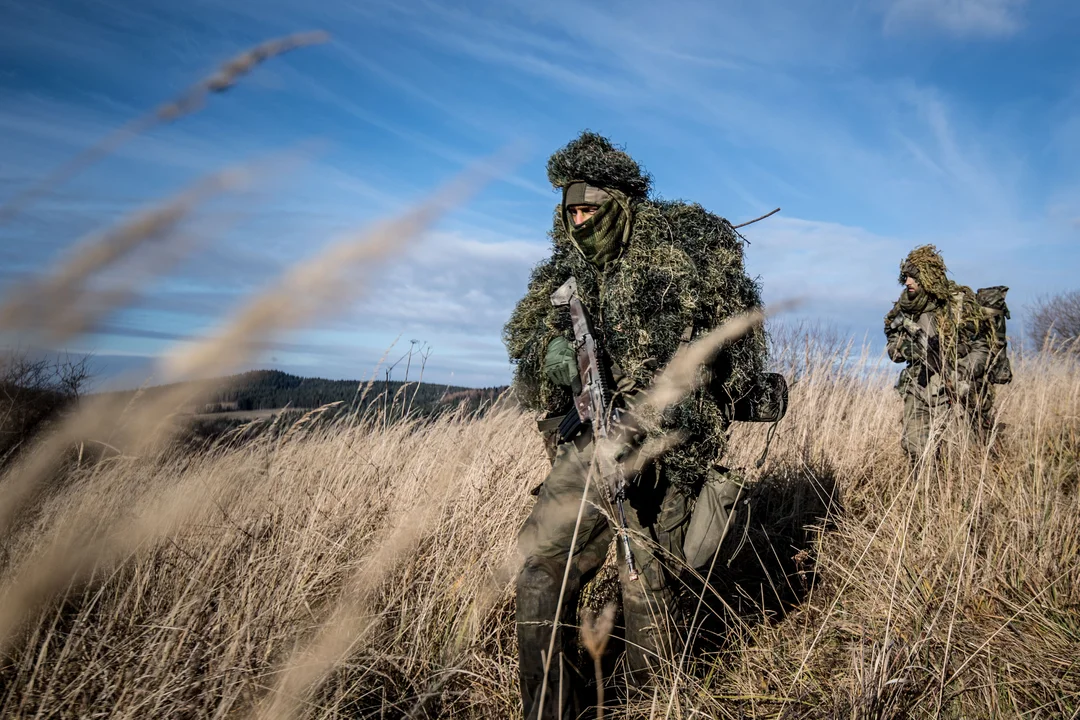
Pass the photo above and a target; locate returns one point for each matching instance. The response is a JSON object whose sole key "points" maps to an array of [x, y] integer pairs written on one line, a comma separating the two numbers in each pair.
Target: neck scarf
{"points": [[914, 306]]}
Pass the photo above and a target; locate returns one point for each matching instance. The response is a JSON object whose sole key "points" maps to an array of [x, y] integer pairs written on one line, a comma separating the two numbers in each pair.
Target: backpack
{"points": [[992, 302]]}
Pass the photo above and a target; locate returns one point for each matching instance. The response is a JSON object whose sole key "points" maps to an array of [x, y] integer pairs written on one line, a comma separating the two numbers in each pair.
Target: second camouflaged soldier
{"points": [[939, 329]]}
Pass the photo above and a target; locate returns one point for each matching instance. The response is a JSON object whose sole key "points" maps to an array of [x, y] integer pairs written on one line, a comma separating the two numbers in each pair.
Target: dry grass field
{"points": [[362, 569]]}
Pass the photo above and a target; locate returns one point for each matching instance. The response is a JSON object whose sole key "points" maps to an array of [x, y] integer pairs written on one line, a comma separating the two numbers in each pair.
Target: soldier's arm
{"points": [[973, 365], [527, 333], [898, 344]]}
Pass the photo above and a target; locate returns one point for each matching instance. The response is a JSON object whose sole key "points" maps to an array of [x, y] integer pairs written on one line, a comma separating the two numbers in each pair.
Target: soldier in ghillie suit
{"points": [[939, 329], [652, 275]]}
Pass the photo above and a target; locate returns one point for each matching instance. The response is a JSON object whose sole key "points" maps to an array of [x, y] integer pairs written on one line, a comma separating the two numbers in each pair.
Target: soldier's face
{"points": [[911, 284], [580, 213]]}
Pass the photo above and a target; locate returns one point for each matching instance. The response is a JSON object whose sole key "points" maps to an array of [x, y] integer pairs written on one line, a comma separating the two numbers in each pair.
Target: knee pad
{"points": [[539, 574], [640, 598]]}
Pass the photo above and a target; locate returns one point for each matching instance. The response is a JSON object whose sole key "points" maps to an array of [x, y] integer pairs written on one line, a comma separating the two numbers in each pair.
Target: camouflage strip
{"points": [[581, 193]]}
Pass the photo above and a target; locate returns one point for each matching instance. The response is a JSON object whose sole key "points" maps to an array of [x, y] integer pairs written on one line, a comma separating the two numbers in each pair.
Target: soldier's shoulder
{"points": [[689, 226]]}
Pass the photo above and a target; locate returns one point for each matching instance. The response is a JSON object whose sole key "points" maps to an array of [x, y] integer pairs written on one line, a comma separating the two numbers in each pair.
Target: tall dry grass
{"points": [[367, 571], [366, 568], [101, 523]]}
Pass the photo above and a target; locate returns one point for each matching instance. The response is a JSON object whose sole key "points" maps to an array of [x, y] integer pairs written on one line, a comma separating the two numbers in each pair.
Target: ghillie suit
{"points": [[941, 332], [678, 275], [652, 275]]}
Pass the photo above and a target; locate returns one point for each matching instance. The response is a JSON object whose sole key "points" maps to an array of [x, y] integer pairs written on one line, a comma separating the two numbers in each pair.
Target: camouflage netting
{"points": [[683, 266], [963, 316], [926, 263], [593, 158]]}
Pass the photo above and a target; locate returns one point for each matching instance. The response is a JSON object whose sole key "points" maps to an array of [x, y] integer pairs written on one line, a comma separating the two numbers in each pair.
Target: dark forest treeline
{"points": [[292, 396], [273, 389], [36, 393]]}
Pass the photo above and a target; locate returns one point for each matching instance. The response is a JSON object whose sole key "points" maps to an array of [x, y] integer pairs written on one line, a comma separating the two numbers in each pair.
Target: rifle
{"points": [[593, 404], [903, 322], [929, 351]]}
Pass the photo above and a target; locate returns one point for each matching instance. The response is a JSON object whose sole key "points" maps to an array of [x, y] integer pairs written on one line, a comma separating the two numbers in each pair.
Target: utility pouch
{"points": [[549, 432], [767, 402], [712, 517], [556, 429]]}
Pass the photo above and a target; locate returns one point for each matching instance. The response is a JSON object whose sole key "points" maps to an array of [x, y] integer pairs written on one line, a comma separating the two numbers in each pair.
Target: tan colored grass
{"points": [[366, 568], [361, 521], [371, 568]]}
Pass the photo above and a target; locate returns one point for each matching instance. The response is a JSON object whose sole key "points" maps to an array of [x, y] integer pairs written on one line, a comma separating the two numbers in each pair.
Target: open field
{"points": [[365, 567], [360, 571]]}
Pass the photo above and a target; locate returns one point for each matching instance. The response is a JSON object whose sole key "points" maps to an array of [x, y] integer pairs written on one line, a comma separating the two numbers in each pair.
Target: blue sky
{"points": [[876, 125]]}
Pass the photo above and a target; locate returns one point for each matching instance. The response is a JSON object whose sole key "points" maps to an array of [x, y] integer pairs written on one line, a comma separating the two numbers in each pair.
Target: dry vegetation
{"points": [[366, 570]]}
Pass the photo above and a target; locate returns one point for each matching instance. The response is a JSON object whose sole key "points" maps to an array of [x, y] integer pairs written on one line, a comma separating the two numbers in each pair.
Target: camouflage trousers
{"points": [[926, 424], [657, 516]]}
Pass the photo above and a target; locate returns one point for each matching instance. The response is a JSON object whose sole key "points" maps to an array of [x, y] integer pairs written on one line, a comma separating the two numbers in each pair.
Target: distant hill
{"points": [[274, 389]]}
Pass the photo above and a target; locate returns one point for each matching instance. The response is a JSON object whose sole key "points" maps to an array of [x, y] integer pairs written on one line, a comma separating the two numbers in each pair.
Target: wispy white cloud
{"points": [[892, 147], [961, 18], [845, 274], [980, 173], [410, 88], [453, 283], [309, 84], [740, 106], [39, 126]]}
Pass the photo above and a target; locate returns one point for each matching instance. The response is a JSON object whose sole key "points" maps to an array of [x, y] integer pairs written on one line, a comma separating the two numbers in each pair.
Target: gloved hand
{"points": [[906, 348], [631, 435], [560, 362]]}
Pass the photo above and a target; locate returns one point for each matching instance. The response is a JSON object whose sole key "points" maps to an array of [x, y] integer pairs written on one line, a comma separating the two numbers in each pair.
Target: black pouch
{"points": [[569, 426], [767, 402]]}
